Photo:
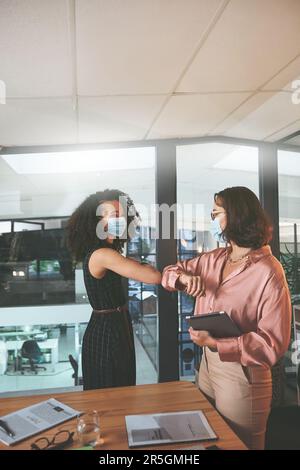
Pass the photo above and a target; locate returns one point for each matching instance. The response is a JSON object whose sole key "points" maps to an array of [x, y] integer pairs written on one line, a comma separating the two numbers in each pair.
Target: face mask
{"points": [[117, 226], [216, 231]]}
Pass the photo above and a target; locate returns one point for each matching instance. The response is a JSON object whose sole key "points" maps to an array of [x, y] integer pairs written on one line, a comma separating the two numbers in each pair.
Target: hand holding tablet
{"points": [[218, 324]]}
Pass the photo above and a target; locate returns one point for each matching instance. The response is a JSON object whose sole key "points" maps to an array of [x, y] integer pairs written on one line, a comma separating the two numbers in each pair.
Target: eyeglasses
{"points": [[213, 214], [60, 440]]}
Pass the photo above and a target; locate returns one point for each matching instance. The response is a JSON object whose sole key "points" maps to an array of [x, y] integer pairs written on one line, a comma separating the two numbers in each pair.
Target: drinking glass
{"points": [[88, 429]]}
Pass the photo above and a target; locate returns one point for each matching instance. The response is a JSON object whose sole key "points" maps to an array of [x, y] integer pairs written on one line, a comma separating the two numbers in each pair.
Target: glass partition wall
{"points": [[42, 293], [289, 232]]}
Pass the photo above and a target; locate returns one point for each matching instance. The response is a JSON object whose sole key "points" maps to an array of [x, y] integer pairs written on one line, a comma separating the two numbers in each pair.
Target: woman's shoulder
{"points": [[93, 255], [209, 258], [273, 270], [99, 251], [215, 253]]}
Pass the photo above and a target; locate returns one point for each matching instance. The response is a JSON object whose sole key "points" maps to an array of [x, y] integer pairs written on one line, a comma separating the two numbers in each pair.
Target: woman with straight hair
{"points": [[97, 232], [245, 280]]}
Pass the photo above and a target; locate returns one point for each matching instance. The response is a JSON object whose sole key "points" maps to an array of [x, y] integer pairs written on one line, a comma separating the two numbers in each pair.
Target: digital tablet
{"points": [[218, 324]]}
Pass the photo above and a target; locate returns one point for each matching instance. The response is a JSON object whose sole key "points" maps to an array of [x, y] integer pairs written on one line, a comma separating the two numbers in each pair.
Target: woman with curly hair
{"points": [[248, 282], [97, 232]]}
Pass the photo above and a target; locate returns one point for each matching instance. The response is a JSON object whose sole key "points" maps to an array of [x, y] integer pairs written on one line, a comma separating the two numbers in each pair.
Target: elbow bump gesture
{"points": [[194, 285]]}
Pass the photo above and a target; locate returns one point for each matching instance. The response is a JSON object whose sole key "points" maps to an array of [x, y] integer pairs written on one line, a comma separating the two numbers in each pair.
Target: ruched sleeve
{"points": [[269, 342], [171, 273]]}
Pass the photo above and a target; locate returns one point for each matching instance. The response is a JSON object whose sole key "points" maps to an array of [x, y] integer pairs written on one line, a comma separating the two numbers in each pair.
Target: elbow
{"points": [[272, 361], [279, 348], [156, 278], [279, 353], [169, 278], [273, 357], [269, 362], [165, 280]]}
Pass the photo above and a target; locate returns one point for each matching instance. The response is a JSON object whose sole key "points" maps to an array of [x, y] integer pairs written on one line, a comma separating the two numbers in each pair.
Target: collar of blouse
{"points": [[256, 255]]}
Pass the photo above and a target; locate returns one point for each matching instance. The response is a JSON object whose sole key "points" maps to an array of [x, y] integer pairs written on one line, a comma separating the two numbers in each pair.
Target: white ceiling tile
{"points": [[272, 116], [141, 48], [295, 140], [288, 130], [34, 48], [192, 115], [284, 80], [116, 118], [250, 104], [250, 43], [134, 46], [37, 122]]}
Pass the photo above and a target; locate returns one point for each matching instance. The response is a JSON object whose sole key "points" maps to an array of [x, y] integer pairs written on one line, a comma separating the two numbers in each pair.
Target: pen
{"points": [[6, 428]]}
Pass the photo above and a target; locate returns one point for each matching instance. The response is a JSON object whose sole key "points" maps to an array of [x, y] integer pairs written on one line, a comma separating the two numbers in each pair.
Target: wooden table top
{"points": [[113, 404]]}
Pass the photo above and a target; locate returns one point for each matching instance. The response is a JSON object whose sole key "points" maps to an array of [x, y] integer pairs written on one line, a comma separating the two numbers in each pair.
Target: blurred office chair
{"points": [[31, 350], [74, 364]]}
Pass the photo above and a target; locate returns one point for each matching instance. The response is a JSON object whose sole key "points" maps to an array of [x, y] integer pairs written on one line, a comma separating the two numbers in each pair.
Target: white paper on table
{"points": [[36, 418]]}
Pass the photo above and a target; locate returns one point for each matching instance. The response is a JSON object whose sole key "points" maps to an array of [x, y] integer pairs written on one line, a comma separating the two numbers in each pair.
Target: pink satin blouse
{"points": [[255, 295]]}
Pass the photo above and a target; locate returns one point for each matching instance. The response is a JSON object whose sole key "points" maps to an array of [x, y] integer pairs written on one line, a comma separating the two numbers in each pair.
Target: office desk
{"points": [[113, 404], [51, 344], [18, 334]]}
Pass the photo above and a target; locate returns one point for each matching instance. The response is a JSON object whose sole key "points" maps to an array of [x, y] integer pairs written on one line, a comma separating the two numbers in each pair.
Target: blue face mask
{"points": [[117, 226], [216, 231]]}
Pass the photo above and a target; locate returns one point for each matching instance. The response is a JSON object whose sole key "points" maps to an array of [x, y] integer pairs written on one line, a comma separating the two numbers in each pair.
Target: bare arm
{"points": [[107, 258]]}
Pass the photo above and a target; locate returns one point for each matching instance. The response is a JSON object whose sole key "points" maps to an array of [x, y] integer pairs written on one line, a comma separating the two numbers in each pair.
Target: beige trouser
{"points": [[242, 395]]}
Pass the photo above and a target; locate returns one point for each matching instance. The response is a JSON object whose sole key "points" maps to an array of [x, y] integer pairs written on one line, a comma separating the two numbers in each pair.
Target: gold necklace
{"points": [[231, 261]]}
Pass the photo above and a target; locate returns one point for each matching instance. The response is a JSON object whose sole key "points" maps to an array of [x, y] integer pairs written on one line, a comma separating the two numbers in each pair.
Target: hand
{"points": [[203, 338], [193, 285]]}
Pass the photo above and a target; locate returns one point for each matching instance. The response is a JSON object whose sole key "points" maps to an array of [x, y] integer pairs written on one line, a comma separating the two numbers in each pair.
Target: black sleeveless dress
{"points": [[108, 353]]}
